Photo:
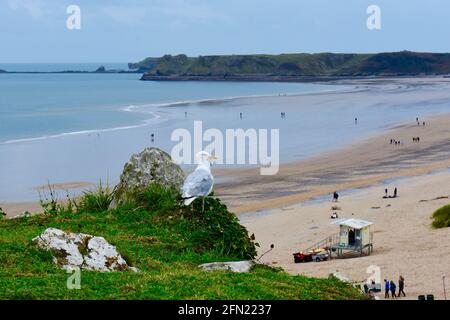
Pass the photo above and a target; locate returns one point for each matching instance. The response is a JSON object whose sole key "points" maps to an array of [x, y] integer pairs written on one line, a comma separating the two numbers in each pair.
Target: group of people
{"points": [[418, 122], [283, 115], [396, 142], [386, 193], [390, 288], [416, 139]]}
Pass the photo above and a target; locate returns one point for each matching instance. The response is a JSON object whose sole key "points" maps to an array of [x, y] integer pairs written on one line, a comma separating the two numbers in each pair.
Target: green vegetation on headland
{"points": [[292, 67], [441, 217], [164, 240]]}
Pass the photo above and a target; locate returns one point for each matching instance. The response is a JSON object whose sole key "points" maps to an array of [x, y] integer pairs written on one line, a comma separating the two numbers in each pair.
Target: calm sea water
{"points": [[39, 105], [83, 127]]}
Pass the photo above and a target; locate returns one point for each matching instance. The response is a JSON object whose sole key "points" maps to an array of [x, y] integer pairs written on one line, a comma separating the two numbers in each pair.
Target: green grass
{"points": [[165, 241], [441, 217]]}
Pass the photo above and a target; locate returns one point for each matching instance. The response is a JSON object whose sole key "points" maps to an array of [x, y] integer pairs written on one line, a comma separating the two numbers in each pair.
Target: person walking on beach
{"points": [[356, 120], [386, 289], [395, 193], [240, 115], [335, 196], [386, 193], [393, 287], [401, 285]]}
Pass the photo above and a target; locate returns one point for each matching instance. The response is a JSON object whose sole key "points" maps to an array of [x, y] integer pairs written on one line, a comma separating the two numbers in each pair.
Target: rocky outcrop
{"points": [[101, 69], [71, 250], [235, 266], [150, 166]]}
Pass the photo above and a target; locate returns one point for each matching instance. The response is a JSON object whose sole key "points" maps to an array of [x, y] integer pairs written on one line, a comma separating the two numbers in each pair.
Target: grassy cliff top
{"points": [[164, 241], [301, 64]]}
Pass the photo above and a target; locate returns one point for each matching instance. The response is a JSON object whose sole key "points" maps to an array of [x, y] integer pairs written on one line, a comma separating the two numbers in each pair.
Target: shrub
{"points": [[98, 200], [441, 217], [219, 229], [49, 202], [214, 229]]}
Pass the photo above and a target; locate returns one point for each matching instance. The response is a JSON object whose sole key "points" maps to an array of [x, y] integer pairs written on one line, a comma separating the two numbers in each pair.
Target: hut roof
{"points": [[354, 223]]}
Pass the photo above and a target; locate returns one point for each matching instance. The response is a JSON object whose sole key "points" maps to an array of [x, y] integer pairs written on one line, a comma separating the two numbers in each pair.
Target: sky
{"points": [[127, 31]]}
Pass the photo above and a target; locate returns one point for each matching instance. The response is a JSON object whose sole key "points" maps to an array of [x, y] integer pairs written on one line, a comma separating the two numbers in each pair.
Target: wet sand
{"points": [[357, 165]]}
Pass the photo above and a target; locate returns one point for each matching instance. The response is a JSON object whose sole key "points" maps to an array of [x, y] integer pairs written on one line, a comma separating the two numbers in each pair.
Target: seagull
{"points": [[200, 182]]}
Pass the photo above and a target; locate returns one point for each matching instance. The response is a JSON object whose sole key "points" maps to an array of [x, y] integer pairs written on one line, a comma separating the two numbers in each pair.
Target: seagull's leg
{"points": [[203, 205]]}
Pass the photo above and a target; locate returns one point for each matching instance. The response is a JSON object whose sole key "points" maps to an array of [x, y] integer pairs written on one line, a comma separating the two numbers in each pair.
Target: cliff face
{"points": [[291, 66]]}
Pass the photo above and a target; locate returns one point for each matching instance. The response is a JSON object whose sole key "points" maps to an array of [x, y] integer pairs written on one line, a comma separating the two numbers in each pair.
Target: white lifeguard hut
{"points": [[354, 235]]}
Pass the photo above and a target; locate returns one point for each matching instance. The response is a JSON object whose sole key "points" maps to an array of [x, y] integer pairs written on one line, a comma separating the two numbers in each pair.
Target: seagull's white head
{"points": [[204, 159]]}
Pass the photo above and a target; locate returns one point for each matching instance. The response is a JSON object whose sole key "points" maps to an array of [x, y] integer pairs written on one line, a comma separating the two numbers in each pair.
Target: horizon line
{"points": [[224, 54]]}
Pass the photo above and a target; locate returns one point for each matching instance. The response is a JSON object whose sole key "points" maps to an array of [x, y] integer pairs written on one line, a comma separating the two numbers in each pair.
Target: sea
{"points": [[83, 127]]}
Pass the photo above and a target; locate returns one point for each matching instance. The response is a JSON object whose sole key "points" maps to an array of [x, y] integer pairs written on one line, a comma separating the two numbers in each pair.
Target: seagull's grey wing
{"points": [[198, 183]]}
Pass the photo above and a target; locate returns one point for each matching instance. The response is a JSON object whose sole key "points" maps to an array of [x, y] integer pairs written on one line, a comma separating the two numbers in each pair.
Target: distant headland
{"points": [[100, 69], [292, 67]]}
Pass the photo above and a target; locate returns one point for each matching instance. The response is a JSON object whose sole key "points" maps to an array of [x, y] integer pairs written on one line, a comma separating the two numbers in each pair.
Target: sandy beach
{"points": [[358, 163], [277, 208], [404, 242]]}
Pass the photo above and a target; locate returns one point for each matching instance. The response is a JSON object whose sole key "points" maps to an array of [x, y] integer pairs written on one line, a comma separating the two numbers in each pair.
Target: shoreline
{"points": [[147, 122], [358, 163], [242, 179]]}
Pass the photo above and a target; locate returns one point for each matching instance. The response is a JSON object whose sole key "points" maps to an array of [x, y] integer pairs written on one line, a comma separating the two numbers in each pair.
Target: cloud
{"points": [[35, 8]]}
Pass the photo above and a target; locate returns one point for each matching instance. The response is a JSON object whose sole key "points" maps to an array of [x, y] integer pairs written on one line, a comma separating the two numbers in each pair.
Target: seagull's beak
{"points": [[212, 158]]}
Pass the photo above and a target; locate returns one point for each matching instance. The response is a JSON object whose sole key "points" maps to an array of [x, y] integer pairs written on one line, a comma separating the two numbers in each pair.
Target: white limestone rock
{"points": [[235, 266], [81, 250], [339, 276]]}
